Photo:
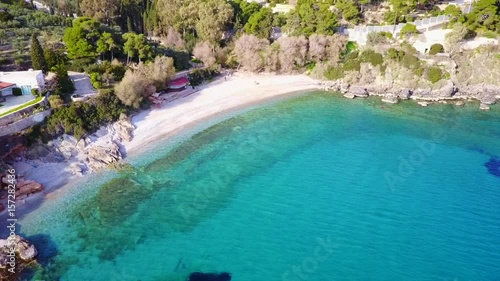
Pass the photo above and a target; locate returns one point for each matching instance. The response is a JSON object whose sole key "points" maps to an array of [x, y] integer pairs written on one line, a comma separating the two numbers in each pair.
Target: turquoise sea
{"points": [[315, 187]]}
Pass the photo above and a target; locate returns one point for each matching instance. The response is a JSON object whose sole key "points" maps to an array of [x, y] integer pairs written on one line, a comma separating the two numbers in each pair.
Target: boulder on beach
{"points": [[24, 252], [27, 187]]}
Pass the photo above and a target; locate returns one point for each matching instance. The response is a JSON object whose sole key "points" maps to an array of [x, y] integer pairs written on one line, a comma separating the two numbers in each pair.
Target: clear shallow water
{"points": [[311, 188]]}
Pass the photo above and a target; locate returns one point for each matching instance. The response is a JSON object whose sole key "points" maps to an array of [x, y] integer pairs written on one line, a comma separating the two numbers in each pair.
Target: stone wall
{"points": [[24, 123], [20, 114]]}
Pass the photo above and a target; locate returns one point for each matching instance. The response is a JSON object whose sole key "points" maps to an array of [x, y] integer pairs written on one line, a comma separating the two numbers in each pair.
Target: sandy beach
{"points": [[213, 99]]}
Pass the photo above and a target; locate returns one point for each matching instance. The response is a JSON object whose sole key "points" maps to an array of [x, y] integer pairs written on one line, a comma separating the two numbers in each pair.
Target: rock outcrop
{"points": [[15, 254], [124, 129], [101, 156], [487, 94]]}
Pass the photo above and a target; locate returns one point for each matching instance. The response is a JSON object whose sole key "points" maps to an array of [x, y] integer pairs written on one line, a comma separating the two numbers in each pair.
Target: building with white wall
{"points": [[25, 80]]}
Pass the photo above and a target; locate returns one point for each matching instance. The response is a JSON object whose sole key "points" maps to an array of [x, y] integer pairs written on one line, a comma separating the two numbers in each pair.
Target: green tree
{"points": [[106, 43], [260, 23], [453, 11], [136, 45], [81, 39], [349, 10], [409, 29], [129, 45], [214, 15], [311, 16], [485, 15], [37, 59]]}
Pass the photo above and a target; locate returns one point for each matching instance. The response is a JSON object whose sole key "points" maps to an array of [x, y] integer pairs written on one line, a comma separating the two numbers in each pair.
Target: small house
{"points": [[179, 83]]}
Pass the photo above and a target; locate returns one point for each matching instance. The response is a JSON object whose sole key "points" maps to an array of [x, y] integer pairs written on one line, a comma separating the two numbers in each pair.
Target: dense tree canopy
{"points": [[260, 23], [311, 16], [81, 38]]}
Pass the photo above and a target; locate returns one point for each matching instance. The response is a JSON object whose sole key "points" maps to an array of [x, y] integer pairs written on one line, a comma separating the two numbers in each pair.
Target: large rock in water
{"points": [[98, 157], [13, 262]]}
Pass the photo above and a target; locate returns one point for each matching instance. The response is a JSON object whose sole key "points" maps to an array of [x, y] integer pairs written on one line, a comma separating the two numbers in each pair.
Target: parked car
{"points": [[77, 97]]}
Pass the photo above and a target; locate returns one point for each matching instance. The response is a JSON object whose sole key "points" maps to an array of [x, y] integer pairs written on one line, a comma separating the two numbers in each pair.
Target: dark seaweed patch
{"points": [[493, 166], [200, 276]]}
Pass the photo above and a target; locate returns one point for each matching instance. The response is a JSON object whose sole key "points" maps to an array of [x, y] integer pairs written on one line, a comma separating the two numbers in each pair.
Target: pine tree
{"points": [[37, 59]]}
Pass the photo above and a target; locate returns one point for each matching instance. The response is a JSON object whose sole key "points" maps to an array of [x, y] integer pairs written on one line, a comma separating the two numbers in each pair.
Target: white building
{"points": [[25, 80]]}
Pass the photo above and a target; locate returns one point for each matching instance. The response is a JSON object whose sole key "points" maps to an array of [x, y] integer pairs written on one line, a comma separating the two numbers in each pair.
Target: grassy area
{"points": [[22, 106]]}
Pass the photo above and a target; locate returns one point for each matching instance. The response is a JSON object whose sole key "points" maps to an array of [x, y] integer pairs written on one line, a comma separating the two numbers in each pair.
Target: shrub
{"points": [[377, 38], [435, 49], [352, 65], [334, 73], [352, 55], [80, 119], [395, 54], [408, 29], [17, 92], [490, 34], [96, 80], [434, 74], [410, 61], [55, 101], [35, 92], [372, 57], [453, 11]]}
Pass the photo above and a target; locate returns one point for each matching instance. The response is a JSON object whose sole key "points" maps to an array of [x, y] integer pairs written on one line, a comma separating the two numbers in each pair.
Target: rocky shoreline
{"points": [[486, 94], [16, 253]]}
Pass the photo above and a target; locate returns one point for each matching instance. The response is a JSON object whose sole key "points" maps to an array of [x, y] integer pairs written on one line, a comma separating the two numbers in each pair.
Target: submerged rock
{"points": [[483, 106], [390, 98], [15, 254], [349, 96], [200, 276]]}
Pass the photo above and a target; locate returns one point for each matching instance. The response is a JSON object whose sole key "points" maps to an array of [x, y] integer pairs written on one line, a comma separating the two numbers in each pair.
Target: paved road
{"points": [[82, 83]]}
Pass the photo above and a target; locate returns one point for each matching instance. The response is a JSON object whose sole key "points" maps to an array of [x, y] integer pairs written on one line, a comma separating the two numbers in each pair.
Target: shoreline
{"points": [[212, 103]]}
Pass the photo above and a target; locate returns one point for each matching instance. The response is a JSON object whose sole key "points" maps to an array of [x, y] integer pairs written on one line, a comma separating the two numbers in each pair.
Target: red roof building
{"points": [[6, 88], [5, 85], [178, 83]]}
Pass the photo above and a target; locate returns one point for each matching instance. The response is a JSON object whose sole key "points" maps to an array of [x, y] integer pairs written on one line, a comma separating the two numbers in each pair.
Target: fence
{"points": [[359, 33]]}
